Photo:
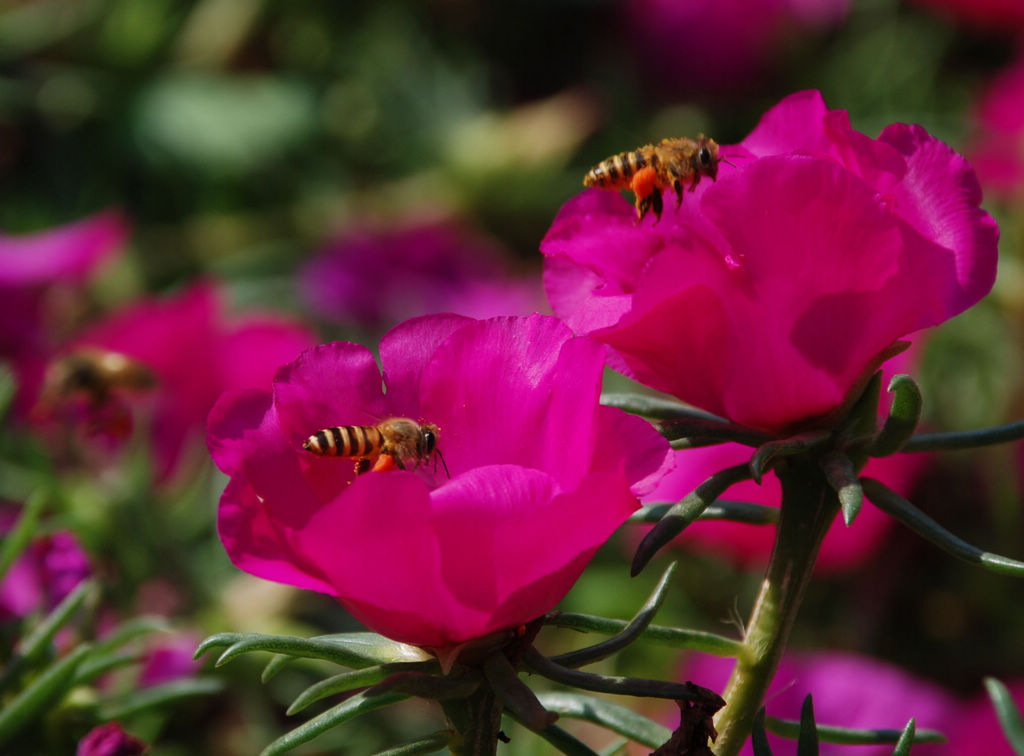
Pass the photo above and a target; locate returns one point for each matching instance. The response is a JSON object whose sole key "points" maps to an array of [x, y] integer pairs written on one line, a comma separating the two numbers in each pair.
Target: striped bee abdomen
{"points": [[617, 171], [346, 441]]}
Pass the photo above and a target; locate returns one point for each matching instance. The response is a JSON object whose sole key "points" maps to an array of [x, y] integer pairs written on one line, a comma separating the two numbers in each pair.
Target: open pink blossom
{"points": [[196, 352], [374, 278], [541, 475], [110, 739], [34, 268], [996, 146], [772, 293], [848, 691]]}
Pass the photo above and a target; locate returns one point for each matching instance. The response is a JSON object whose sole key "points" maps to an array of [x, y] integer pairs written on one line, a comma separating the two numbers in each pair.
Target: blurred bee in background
{"points": [[98, 379], [396, 442], [650, 169]]}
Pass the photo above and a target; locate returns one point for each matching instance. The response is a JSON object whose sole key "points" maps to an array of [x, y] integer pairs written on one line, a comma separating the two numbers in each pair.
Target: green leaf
{"points": [[1000, 434], [18, 537], [721, 509], [676, 637], [8, 388], [630, 633], [848, 736], [346, 681], [841, 474], [768, 452], [903, 511], [904, 415], [807, 743], [41, 693], [696, 431], [348, 649], [609, 715], [565, 742], [97, 666], [685, 512], [758, 737], [906, 739], [157, 697], [655, 407], [128, 631], [1008, 713], [336, 715], [515, 695], [428, 744]]}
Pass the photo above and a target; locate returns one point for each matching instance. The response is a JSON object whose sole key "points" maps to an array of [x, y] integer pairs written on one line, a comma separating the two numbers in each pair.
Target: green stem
{"points": [[809, 505], [476, 722]]}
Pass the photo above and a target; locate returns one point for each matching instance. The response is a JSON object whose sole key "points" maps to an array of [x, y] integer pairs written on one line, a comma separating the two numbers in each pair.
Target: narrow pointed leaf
{"points": [[904, 415], [158, 697], [515, 695], [1000, 434], [685, 512], [787, 728], [758, 737], [423, 685], [128, 631], [1008, 713], [219, 640], [428, 744], [565, 742], [41, 693], [760, 461], [615, 749], [277, 663], [723, 509], [807, 743], [906, 739], [696, 640], [700, 431], [96, 666], [348, 649], [903, 511], [842, 476], [630, 633], [18, 537], [346, 681], [655, 407], [609, 715], [343, 712]]}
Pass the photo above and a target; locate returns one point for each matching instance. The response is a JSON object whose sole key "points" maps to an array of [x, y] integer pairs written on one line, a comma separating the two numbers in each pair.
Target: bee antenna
{"points": [[441, 456]]}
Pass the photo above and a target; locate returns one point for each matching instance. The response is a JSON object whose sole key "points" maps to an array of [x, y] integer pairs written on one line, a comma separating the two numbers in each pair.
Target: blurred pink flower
{"points": [[374, 279], [196, 352], [996, 146], [849, 691], [975, 731], [706, 45], [47, 571], [1005, 16], [169, 658], [774, 292], [32, 267], [110, 739], [541, 475]]}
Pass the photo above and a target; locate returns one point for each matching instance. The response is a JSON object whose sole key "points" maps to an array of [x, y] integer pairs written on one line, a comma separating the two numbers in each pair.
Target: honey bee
{"points": [[395, 442], [650, 169], [95, 374]]}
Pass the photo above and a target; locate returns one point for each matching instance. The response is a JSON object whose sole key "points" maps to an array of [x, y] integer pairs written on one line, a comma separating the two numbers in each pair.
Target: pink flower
{"points": [[47, 571], [32, 268], [169, 658], [849, 691], [109, 739], [195, 352], [996, 146], [541, 475], [373, 279], [728, 43], [772, 293]]}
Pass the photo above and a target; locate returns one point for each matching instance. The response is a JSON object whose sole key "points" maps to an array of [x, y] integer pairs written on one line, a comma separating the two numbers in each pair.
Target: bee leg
{"points": [[657, 205], [696, 180], [679, 193], [643, 204], [362, 465]]}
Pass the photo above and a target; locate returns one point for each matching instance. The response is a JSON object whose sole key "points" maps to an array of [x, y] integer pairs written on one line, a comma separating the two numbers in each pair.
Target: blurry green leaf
{"points": [[97, 666], [1000, 434], [157, 697], [34, 645], [129, 630], [1008, 713], [8, 388], [807, 743], [428, 744], [18, 537], [849, 736], [685, 512], [906, 739], [565, 742], [696, 640], [27, 27], [346, 710], [41, 693], [758, 736], [903, 418], [223, 125], [903, 511], [609, 715]]}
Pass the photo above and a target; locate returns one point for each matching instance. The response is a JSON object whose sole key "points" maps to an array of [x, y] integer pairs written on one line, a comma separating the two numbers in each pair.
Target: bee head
{"points": [[428, 439], [707, 157]]}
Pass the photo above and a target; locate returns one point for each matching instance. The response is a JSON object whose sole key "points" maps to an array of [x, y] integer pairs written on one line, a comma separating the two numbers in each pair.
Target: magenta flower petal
{"points": [[405, 351], [64, 253], [110, 739]]}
